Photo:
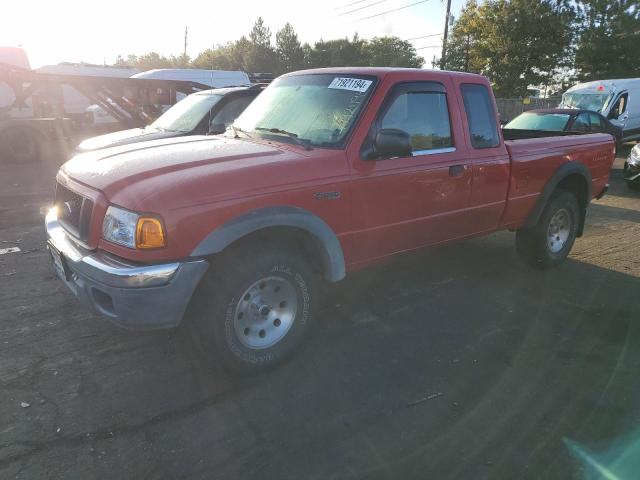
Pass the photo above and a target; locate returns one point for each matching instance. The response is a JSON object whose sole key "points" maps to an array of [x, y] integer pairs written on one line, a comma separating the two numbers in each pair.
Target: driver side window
{"points": [[424, 115], [619, 107]]}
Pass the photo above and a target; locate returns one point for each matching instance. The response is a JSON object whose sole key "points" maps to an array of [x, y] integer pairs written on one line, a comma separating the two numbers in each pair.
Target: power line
{"points": [[390, 11], [428, 46], [361, 8], [423, 36], [352, 3]]}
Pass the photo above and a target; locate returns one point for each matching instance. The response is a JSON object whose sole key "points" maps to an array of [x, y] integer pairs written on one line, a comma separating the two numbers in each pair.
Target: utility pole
{"points": [[184, 54], [466, 55], [446, 34]]}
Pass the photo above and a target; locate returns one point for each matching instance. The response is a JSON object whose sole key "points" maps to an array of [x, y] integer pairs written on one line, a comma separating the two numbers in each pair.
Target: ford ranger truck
{"points": [[326, 172]]}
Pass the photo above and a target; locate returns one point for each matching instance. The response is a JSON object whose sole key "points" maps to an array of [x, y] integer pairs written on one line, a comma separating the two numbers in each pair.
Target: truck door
{"points": [[405, 202], [490, 161]]}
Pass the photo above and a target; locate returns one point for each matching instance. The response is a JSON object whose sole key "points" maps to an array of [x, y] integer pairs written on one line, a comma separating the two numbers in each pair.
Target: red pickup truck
{"points": [[327, 171]]}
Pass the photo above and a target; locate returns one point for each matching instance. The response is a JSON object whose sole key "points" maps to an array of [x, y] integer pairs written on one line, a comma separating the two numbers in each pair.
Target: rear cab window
{"points": [[481, 116]]}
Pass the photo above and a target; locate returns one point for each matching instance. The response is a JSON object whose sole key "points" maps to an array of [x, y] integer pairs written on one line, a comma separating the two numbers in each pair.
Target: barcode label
{"points": [[354, 84]]}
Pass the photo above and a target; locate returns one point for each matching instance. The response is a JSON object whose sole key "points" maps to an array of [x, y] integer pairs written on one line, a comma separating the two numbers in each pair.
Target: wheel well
{"points": [[290, 238], [576, 184]]}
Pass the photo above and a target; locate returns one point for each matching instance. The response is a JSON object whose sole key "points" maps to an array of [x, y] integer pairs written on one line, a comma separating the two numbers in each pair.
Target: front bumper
{"points": [[144, 297]]}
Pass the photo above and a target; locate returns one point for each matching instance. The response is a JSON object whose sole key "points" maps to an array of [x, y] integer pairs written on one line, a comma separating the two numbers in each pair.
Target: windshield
{"points": [[550, 122], [586, 101], [319, 109], [185, 115]]}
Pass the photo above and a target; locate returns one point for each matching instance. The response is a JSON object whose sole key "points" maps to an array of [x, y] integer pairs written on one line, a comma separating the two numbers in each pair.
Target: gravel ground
{"points": [[458, 362]]}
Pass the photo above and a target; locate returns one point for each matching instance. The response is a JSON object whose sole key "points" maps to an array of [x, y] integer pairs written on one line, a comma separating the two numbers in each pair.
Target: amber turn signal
{"points": [[149, 233]]}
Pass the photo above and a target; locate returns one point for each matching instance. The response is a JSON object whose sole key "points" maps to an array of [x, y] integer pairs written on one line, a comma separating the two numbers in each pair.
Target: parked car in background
{"points": [[632, 168], [559, 121], [326, 172], [206, 112], [210, 78], [617, 100]]}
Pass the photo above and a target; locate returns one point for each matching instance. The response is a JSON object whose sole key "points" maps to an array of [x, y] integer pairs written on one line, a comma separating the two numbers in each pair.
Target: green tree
{"points": [[463, 45], [260, 55], [516, 43], [339, 53], [290, 52], [609, 39], [222, 57], [392, 52], [150, 61]]}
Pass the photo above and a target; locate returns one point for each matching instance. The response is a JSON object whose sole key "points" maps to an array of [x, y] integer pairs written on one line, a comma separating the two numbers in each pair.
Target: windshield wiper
{"points": [[303, 142], [238, 129]]}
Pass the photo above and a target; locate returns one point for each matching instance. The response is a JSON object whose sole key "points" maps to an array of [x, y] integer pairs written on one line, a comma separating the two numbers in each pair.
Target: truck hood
{"points": [[148, 167], [123, 137]]}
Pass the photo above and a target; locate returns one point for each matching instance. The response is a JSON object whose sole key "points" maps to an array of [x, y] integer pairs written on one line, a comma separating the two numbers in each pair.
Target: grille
{"points": [[74, 211]]}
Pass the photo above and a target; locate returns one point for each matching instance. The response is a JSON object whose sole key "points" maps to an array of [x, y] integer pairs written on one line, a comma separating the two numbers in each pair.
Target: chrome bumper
{"points": [[133, 296]]}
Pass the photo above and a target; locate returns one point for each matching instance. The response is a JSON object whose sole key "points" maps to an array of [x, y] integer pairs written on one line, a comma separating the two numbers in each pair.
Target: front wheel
{"points": [[260, 308], [549, 242]]}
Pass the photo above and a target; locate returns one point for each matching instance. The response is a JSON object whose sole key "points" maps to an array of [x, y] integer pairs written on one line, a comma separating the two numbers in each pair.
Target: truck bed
{"points": [[534, 161]]}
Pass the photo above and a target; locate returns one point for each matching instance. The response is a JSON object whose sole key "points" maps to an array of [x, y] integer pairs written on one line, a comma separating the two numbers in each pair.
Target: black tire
{"points": [[537, 246], [216, 326], [20, 145]]}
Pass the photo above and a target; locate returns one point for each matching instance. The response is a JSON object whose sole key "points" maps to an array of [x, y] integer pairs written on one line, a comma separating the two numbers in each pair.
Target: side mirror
{"points": [[216, 129], [392, 142]]}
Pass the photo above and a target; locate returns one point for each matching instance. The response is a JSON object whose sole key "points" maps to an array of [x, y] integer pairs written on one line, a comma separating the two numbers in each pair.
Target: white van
{"points": [[211, 78], [618, 100]]}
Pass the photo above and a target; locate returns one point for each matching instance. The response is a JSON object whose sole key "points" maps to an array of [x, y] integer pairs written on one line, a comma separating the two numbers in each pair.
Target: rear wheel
{"points": [[549, 242], [259, 309]]}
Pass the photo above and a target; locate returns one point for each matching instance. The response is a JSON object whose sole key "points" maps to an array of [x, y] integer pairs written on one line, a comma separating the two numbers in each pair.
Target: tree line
{"points": [[548, 43], [257, 54], [516, 43]]}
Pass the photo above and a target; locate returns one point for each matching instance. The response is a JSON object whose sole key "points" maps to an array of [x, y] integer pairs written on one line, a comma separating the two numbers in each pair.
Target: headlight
{"points": [[132, 230], [634, 157]]}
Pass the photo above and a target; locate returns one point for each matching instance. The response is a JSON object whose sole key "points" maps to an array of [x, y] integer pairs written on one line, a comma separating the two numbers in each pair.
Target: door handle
{"points": [[456, 170]]}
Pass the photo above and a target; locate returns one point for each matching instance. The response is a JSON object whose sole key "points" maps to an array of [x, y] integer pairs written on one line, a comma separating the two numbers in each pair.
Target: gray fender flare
{"points": [[283, 216], [564, 171]]}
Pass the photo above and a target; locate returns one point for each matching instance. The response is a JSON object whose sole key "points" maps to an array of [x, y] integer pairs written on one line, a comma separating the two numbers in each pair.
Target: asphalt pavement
{"points": [[458, 362]]}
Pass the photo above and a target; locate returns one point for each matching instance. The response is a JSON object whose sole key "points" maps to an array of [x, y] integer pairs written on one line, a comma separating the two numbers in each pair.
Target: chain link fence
{"points": [[510, 108]]}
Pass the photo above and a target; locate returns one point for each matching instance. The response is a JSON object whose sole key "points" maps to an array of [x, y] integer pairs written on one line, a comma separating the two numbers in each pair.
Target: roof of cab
{"points": [[384, 71]]}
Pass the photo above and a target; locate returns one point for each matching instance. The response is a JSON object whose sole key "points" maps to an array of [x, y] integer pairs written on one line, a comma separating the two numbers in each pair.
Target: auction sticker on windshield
{"points": [[354, 84]]}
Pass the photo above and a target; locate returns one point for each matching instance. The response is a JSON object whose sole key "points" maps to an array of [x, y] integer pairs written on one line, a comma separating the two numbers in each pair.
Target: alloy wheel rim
{"points": [[559, 230], [265, 312]]}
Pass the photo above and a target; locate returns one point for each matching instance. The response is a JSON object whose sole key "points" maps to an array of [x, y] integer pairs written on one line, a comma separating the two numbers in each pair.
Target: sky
{"points": [[93, 31]]}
